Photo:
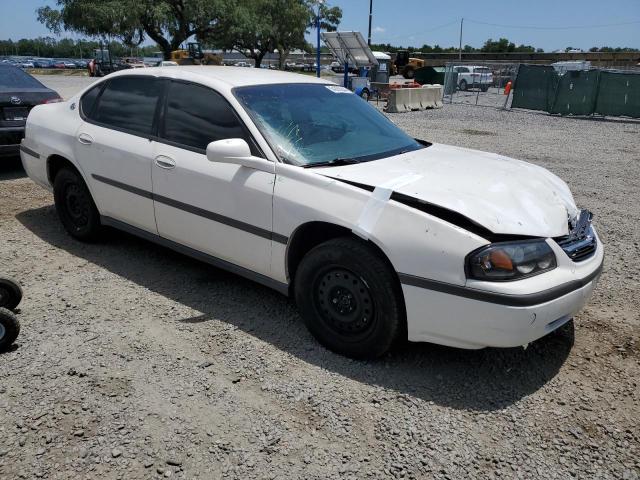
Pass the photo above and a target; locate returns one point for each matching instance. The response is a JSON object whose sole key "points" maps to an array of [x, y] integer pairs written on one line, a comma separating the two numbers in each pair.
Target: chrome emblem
{"points": [[15, 100]]}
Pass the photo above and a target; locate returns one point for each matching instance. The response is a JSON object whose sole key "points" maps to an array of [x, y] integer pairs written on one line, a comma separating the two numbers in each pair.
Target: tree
{"points": [[167, 22], [289, 31], [258, 27], [330, 17], [500, 46]]}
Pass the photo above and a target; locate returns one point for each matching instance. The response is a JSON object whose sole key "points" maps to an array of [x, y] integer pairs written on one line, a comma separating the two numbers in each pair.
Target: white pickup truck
{"points": [[472, 76]]}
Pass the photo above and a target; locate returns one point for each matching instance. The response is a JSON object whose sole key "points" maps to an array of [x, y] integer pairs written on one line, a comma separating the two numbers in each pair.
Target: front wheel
{"points": [[463, 85], [75, 207], [484, 88], [349, 298]]}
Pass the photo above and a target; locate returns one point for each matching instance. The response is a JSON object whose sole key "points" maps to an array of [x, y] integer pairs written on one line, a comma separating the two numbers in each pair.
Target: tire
{"points": [[350, 298], [10, 293], [9, 329], [75, 207], [408, 73], [462, 85], [365, 94], [484, 88]]}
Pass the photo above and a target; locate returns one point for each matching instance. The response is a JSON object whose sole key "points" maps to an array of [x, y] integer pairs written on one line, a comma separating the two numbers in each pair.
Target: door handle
{"points": [[165, 162], [85, 139]]}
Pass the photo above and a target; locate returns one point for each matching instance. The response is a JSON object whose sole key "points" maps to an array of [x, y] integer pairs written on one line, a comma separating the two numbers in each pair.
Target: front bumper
{"points": [[471, 318]]}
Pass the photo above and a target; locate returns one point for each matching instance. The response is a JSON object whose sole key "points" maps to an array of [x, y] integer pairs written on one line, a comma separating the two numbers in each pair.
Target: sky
{"points": [[547, 24]]}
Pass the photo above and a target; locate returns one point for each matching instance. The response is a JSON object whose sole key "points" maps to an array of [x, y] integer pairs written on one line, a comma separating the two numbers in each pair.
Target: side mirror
{"points": [[237, 152]]}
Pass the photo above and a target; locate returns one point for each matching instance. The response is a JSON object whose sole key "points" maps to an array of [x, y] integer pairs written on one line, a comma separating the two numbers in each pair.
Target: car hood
{"points": [[504, 195]]}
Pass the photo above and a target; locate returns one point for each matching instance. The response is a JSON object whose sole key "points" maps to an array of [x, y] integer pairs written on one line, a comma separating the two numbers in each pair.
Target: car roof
{"points": [[229, 76]]}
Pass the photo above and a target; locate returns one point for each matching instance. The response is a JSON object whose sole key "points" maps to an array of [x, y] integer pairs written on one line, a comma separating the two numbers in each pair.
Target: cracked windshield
{"points": [[313, 124]]}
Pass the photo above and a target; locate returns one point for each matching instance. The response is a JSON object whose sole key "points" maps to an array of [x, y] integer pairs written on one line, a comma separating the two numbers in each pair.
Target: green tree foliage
{"points": [[254, 27], [167, 22], [49, 47], [503, 45], [330, 17], [258, 27], [613, 50]]}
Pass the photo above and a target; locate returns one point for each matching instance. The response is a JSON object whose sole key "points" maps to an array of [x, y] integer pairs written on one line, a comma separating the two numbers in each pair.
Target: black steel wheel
{"points": [[75, 207], [344, 301], [10, 293], [9, 328], [350, 298]]}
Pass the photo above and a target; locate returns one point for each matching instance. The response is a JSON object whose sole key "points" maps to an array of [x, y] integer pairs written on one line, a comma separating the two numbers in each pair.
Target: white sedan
{"points": [[300, 185]]}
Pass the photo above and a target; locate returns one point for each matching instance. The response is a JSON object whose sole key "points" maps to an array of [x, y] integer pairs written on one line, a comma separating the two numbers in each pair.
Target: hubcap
{"points": [[77, 205], [344, 301]]}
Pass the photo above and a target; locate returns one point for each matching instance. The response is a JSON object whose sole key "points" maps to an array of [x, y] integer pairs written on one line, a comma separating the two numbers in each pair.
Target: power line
{"points": [[406, 35], [568, 27]]}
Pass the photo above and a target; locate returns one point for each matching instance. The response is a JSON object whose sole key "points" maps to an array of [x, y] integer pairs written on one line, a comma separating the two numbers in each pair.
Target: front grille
{"points": [[581, 242]]}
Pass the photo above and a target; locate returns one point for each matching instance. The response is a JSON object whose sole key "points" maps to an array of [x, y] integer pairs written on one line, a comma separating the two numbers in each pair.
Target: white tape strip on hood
{"points": [[379, 197]]}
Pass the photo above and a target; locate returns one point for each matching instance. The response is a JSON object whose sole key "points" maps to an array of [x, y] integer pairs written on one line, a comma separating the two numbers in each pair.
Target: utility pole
{"points": [[318, 46], [370, 17], [460, 48]]}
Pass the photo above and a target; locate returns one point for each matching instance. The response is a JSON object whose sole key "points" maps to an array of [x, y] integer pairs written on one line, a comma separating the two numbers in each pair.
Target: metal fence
{"points": [[479, 83], [557, 89], [578, 92]]}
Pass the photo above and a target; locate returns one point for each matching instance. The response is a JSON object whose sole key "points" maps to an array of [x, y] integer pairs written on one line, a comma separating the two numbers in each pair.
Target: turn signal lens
{"points": [[510, 260], [500, 259]]}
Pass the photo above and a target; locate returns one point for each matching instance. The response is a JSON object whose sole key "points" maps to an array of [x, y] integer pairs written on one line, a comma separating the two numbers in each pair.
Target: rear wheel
{"points": [[484, 88], [408, 73], [463, 85], [9, 329], [76, 209], [349, 298], [10, 293]]}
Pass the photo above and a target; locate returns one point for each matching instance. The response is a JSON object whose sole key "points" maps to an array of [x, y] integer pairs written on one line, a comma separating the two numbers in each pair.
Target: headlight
{"points": [[510, 260]]}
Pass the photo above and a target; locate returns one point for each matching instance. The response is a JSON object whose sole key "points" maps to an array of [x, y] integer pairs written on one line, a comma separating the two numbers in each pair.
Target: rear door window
{"points": [[196, 115], [14, 78], [129, 103]]}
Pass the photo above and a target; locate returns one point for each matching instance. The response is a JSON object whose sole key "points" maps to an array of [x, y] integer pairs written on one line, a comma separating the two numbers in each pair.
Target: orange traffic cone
{"points": [[507, 88]]}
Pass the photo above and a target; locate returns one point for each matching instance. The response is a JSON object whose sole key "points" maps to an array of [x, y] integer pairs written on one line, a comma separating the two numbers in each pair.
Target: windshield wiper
{"points": [[333, 163]]}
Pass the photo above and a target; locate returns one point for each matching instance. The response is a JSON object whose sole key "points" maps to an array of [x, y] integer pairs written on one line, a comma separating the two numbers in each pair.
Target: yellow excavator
{"points": [[193, 55]]}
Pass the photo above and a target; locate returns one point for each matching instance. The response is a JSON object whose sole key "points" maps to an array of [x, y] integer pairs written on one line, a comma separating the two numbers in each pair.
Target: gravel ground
{"points": [[136, 362]]}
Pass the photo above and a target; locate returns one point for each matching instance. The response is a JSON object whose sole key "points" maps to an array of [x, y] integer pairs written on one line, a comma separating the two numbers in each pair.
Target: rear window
{"points": [[129, 103], [12, 77]]}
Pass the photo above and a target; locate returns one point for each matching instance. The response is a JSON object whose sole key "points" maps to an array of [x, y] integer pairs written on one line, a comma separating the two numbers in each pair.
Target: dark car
{"points": [[19, 93]]}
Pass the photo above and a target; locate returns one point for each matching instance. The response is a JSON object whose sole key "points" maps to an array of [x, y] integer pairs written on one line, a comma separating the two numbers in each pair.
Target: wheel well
{"points": [[312, 234], [55, 163]]}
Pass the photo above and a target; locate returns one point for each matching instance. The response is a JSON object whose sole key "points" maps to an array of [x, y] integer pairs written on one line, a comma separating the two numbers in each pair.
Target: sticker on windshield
{"points": [[337, 89]]}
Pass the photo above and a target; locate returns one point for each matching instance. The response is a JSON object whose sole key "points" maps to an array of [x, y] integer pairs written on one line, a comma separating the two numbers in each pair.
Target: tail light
{"points": [[53, 100]]}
